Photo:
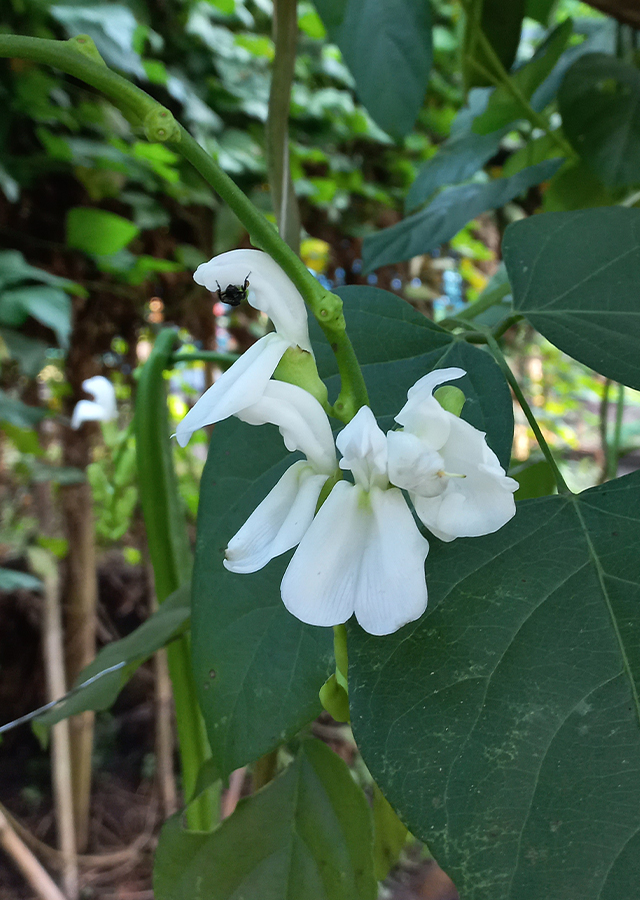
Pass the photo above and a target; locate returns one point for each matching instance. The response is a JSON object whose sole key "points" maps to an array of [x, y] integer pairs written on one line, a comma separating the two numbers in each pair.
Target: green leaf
{"points": [[458, 159], [98, 232], [29, 352], [534, 151], [575, 276], [503, 107], [387, 46], [307, 835], [168, 622], [18, 413], [49, 305], [12, 580], [535, 479], [575, 186], [14, 269], [501, 23], [446, 215], [258, 670], [503, 726], [390, 835], [540, 10], [599, 102]]}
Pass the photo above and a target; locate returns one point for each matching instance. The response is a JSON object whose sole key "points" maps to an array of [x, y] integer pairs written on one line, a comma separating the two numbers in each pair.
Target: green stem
{"points": [[526, 409], [498, 75], [159, 125], [484, 302], [613, 446], [285, 204], [213, 356], [170, 555]]}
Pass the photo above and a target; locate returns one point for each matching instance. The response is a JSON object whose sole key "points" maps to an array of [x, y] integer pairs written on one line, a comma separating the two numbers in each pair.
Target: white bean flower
{"points": [[285, 514], [270, 290], [454, 479], [103, 406], [363, 552]]}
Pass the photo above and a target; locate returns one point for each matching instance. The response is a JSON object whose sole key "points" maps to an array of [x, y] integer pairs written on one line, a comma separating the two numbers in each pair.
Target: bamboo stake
{"points": [[53, 647], [38, 878]]}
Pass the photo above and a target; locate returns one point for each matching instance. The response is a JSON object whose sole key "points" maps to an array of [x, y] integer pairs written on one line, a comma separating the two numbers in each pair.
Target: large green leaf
{"points": [[504, 725], [259, 670], [305, 836], [387, 46], [600, 105], [447, 214], [29, 352], [123, 657], [575, 276]]}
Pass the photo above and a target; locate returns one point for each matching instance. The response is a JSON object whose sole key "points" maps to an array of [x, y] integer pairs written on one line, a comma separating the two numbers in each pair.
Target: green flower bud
{"points": [[335, 700], [298, 367], [450, 398]]}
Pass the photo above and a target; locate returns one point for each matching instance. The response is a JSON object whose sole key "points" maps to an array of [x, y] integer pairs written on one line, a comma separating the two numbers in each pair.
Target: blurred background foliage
{"points": [[100, 233]]}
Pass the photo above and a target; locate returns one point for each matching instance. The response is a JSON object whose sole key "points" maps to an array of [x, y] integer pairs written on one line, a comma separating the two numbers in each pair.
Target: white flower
{"points": [[362, 552], [271, 291], [455, 481], [103, 406], [285, 514]]}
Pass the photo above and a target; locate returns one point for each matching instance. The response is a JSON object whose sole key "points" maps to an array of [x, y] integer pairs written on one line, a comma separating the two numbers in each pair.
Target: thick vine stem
{"points": [[159, 125]]}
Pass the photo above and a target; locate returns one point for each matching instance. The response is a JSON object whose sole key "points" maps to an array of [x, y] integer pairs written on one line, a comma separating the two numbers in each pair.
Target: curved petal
{"points": [[271, 290], [104, 394], [303, 423], [391, 588], [364, 449], [238, 387], [319, 584], [422, 414], [479, 503], [413, 465], [362, 553], [278, 523], [88, 411]]}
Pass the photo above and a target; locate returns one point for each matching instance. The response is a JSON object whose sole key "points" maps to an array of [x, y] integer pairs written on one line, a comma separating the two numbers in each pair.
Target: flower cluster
{"points": [[361, 551]]}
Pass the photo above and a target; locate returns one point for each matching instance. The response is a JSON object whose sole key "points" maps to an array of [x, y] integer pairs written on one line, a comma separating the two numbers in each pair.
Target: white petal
{"points": [[391, 587], [363, 445], [279, 522], [103, 392], [271, 290], [362, 553], [482, 501], [88, 411], [303, 423], [319, 584], [422, 414], [238, 387], [413, 465]]}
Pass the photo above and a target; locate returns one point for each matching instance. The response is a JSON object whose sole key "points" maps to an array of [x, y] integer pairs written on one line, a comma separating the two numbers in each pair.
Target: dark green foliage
{"points": [[504, 725], [305, 835]]}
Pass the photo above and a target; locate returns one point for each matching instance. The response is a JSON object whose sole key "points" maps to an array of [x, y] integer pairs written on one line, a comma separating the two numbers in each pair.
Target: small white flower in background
{"points": [[103, 406], [455, 481], [362, 552], [272, 292], [285, 514]]}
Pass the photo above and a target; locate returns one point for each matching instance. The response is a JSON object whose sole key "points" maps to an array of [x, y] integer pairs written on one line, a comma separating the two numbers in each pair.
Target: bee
{"points": [[233, 294]]}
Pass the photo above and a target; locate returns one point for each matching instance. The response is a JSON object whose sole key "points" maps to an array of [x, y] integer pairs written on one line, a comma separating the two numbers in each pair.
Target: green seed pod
{"points": [[160, 126]]}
